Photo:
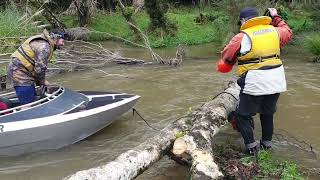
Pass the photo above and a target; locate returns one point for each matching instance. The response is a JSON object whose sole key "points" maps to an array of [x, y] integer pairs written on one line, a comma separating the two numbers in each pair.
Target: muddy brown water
{"points": [[166, 94]]}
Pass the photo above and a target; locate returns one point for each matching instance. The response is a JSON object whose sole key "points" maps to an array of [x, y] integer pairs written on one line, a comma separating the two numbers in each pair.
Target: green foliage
{"points": [[10, 24], [188, 32], [114, 24], [290, 171], [312, 43], [181, 134], [128, 12], [3, 71], [219, 24], [300, 24], [207, 17], [267, 164], [191, 33], [70, 21], [156, 9], [298, 20], [274, 167]]}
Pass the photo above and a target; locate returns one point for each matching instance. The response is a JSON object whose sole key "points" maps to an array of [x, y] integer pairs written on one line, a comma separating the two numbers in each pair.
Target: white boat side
{"points": [[59, 130]]}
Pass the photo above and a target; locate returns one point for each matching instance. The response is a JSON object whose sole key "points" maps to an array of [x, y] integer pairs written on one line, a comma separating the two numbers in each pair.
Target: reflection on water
{"points": [[167, 93]]}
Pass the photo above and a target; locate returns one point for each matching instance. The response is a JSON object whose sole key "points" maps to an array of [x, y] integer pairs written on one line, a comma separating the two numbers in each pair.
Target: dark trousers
{"points": [[249, 106]]}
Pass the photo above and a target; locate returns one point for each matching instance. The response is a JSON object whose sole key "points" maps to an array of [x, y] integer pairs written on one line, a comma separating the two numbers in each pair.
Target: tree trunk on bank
{"points": [[128, 16], [201, 126], [83, 12], [137, 4]]}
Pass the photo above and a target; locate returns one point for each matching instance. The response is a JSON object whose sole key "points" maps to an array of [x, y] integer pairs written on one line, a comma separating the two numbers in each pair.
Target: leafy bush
{"points": [[299, 20], [188, 32], [312, 43], [10, 24]]}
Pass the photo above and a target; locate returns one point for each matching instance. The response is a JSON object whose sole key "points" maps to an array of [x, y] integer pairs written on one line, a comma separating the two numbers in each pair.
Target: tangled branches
{"points": [[84, 55]]}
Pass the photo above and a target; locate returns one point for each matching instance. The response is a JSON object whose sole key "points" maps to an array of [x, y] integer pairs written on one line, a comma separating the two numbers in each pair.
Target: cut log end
{"points": [[179, 147]]}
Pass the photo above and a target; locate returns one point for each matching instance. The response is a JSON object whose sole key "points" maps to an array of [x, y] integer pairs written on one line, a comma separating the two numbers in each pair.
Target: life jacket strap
{"points": [[257, 60], [25, 55]]}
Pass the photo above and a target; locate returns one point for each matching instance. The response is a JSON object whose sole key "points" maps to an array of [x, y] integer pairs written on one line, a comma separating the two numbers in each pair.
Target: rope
{"points": [[134, 111], [225, 93]]}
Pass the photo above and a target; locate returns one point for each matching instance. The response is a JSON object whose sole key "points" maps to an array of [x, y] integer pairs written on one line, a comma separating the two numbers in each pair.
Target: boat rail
{"points": [[49, 97]]}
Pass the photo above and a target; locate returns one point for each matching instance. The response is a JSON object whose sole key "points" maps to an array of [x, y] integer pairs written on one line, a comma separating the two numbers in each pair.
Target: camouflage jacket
{"points": [[20, 76]]}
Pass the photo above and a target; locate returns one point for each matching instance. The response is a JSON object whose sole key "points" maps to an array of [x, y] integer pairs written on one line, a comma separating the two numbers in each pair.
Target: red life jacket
{"points": [[4, 104]]}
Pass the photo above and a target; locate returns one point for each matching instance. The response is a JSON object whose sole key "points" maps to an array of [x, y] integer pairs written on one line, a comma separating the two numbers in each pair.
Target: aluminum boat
{"points": [[58, 119]]}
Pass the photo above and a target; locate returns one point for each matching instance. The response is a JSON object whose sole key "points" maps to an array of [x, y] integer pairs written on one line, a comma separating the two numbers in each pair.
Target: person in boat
{"points": [[29, 64], [256, 49]]}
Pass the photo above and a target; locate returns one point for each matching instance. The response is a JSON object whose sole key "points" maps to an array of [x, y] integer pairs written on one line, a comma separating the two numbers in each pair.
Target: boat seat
{"points": [[6, 102]]}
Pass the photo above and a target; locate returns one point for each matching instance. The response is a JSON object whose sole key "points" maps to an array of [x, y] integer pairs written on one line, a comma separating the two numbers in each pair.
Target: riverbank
{"points": [[189, 32], [194, 26], [217, 26], [236, 165]]}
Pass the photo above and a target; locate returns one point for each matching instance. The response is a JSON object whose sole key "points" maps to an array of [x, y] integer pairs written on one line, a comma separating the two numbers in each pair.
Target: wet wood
{"points": [[197, 144], [196, 129], [133, 162]]}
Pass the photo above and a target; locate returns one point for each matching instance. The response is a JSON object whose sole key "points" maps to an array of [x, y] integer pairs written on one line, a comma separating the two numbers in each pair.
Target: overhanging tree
{"points": [[156, 10]]}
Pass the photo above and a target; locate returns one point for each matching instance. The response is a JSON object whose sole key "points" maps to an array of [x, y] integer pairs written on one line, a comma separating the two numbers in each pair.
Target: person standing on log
{"points": [[29, 64], [261, 74]]}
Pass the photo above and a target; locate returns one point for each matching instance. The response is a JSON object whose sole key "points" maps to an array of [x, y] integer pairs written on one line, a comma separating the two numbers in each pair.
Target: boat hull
{"points": [[60, 130]]}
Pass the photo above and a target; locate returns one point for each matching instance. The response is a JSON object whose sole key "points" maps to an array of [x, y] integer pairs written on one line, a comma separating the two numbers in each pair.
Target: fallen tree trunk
{"points": [[133, 162], [197, 144], [201, 125]]}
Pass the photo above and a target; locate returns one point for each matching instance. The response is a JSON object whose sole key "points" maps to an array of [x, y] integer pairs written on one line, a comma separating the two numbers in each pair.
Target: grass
{"points": [[299, 20], [10, 27], [10, 24], [188, 33], [3, 71], [312, 44], [272, 167], [219, 27]]}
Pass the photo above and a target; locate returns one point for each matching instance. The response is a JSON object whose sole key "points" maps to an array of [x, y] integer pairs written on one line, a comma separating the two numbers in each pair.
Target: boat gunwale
{"points": [[33, 104], [44, 121]]}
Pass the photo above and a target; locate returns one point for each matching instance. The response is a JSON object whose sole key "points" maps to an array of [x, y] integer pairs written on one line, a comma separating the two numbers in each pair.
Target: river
{"points": [[167, 93]]}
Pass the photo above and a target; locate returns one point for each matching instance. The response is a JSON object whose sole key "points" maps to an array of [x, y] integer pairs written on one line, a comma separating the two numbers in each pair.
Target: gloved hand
{"points": [[272, 12], [223, 67]]}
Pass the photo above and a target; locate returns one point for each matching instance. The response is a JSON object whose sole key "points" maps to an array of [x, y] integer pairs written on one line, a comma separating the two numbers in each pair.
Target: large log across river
{"points": [[189, 138]]}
